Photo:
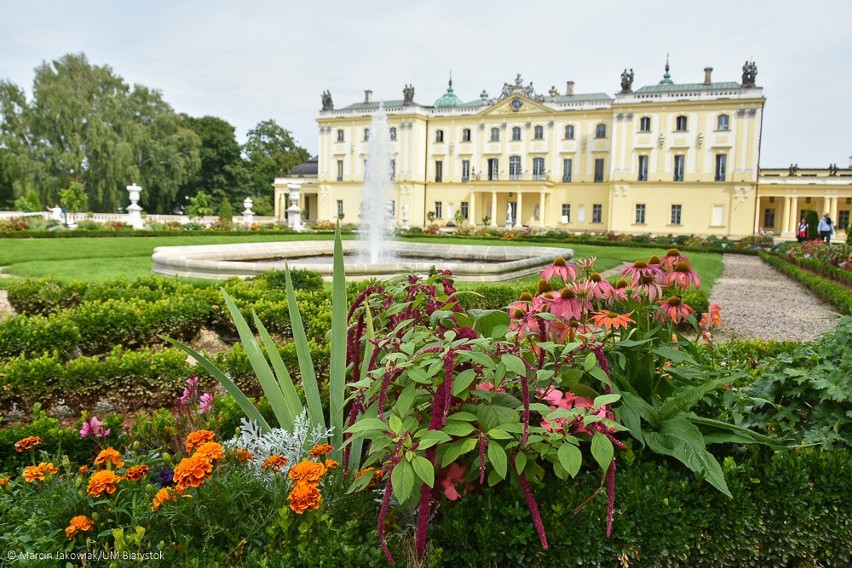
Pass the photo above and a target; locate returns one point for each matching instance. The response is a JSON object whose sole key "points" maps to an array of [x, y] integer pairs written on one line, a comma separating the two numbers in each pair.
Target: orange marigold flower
{"points": [[27, 443], [4, 481], [163, 495], [331, 464], [210, 451], [33, 473], [109, 457], [47, 468], [79, 524], [376, 473], [321, 450], [136, 472], [196, 439], [304, 497], [103, 481], [274, 462], [191, 472], [307, 472], [242, 456], [84, 470]]}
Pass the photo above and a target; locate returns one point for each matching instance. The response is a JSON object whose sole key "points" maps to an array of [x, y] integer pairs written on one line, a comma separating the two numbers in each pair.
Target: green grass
{"points": [[130, 257]]}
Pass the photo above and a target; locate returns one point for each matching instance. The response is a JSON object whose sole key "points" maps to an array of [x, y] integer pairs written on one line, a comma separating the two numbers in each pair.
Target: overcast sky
{"points": [[250, 61]]}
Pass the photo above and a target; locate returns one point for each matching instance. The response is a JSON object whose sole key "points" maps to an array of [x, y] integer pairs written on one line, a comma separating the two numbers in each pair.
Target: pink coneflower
{"points": [[639, 270], [621, 291], [671, 259], [683, 276], [560, 268], [600, 289], [564, 304], [674, 310], [612, 320], [648, 286], [583, 292], [522, 316], [586, 264]]}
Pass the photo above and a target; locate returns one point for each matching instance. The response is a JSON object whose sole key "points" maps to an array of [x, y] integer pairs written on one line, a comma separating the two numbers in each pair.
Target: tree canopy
{"points": [[271, 152]]}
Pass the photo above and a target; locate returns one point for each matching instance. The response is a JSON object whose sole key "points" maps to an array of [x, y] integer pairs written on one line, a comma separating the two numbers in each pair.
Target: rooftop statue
{"points": [[327, 103], [749, 74], [627, 81], [408, 95]]}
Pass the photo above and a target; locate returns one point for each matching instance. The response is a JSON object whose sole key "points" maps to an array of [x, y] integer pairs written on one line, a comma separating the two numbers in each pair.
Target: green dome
{"points": [[448, 99]]}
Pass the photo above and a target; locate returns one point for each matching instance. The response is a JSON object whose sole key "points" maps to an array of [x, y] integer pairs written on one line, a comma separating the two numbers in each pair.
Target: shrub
{"points": [[837, 295], [38, 335], [304, 280], [44, 295]]}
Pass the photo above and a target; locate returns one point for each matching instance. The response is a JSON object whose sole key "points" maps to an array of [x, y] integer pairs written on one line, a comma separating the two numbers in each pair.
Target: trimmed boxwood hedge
{"points": [[837, 295]]}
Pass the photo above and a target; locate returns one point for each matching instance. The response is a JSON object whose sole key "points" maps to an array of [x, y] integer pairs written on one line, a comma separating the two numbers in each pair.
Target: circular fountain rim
{"points": [[220, 262]]}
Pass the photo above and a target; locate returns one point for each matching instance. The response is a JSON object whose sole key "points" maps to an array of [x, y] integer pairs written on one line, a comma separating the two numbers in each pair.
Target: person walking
{"points": [[825, 228], [802, 231]]}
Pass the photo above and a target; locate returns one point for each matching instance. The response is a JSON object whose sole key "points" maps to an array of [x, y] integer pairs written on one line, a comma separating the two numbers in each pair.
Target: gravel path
{"points": [[761, 303]]}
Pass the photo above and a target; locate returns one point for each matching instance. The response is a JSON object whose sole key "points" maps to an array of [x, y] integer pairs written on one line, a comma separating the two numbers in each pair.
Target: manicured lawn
{"points": [[130, 257]]}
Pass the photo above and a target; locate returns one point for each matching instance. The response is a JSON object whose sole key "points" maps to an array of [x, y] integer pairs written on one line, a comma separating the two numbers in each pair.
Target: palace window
{"points": [[392, 169], [340, 209], [516, 133], [439, 210], [639, 218], [599, 170], [721, 165], [680, 124], [679, 161], [676, 211], [597, 213], [567, 169], [465, 209], [366, 134], [538, 168], [600, 130], [465, 170], [340, 135], [569, 132], [843, 220], [466, 135], [393, 133], [769, 217], [538, 133], [723, 122], [645, 124], [339, 170], [566, 212], [643, 168], [717, 216], [493, 169], [495, 134], [514, 167], [439, 136], [439, 171]]}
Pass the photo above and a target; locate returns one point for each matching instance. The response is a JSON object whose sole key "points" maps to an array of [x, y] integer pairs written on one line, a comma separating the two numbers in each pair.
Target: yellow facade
{"points": [[663, 159]]}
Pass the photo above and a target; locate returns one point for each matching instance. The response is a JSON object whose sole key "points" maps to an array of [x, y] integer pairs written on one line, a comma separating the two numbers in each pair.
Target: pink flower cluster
{"points": [[94, 428], [190, 392], [557, 399]]}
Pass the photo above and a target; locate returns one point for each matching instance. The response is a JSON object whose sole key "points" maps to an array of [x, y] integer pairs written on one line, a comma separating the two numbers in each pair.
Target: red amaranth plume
{"points": [[610, 490], [533, 507]]}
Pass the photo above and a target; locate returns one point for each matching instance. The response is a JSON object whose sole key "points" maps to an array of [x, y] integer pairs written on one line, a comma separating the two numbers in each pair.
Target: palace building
{"points": [[665, 158]]}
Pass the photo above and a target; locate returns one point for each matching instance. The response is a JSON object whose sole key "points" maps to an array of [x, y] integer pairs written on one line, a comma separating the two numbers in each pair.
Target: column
{"points": [[541, 209], [471, 209], [785, 217], [519, 218], [794, 214], [832, 208], [493, 208]]}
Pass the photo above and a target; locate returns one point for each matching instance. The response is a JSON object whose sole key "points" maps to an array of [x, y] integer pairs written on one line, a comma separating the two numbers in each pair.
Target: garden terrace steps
{"points": [[758, 302]]}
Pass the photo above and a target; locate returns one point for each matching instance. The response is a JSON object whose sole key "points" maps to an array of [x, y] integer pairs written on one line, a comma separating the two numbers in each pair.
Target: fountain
{"points": [[374, 255]]}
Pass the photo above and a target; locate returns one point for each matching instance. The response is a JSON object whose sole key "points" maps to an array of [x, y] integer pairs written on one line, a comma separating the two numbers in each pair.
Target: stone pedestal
{"points": [[294, 212], [134, 211], [248, 214], [405, 217]]}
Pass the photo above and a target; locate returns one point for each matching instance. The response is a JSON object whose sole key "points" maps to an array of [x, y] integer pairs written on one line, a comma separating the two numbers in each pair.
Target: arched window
{"points": [[516, 133], [600, 130], [538, 132], [569, 132], [393, 133], [645, 124], [680, 124], [723, 122], [495, 134]]}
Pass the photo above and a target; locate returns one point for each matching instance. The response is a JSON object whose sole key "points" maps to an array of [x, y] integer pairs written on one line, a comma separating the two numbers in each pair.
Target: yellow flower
{"points": [[191, 472], [48, 468], [196, 439], [321, 450], [33, 473], [103, 481], [210, 451], [136, 472], [78, 524], [307, 472], [163, 495], [274, 462], [304, 497], [27, 443], [109, 457]]}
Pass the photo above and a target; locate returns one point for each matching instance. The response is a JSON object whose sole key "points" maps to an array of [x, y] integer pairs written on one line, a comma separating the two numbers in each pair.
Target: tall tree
{"points": [[86, 125], [271, 152], [222, 173]]}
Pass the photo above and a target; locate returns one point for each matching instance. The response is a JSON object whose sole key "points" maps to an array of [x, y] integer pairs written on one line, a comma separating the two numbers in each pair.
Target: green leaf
{"points": [[402, 481], [520, 462], [424, 470], [497, 456], [337, 362], [405, 400], [458, 428], [291, 397], [303, 354], [463, 380], [589, 362], [456, 449], [427, 438], [570, 457], [492, 416], [490, 323], [602, 450], [395, 424], [514, 364], [360, 483], [366, 425], [673, 355], [498, 434], [606, 399], [686, 397]]}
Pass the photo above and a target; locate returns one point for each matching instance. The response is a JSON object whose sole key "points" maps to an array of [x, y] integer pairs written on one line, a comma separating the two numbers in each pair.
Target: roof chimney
{"points": [[368, 96], [569, 88], [707, 72]]}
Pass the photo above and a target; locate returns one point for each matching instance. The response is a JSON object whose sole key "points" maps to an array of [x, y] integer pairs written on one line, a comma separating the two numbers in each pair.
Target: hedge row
{"points": [[835, 294], [827, 270], [129, 380]]}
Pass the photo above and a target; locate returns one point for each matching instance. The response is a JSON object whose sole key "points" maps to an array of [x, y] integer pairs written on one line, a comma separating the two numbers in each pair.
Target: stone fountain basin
{"points": [[469, 263]]}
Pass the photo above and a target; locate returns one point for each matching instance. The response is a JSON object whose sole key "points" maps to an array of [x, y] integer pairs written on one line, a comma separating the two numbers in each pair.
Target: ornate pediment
{"points": [[517, 98]]}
